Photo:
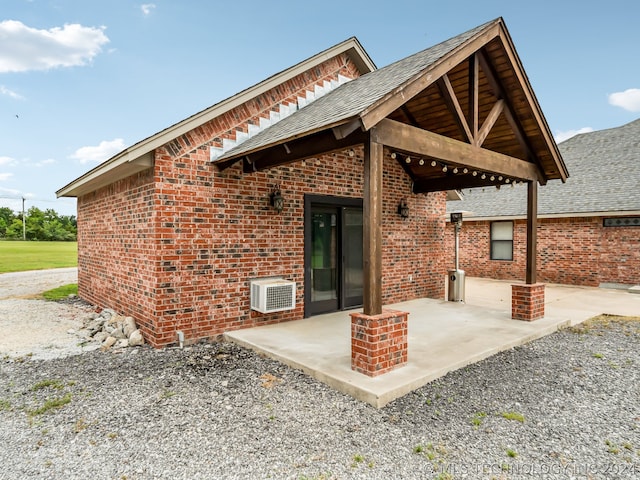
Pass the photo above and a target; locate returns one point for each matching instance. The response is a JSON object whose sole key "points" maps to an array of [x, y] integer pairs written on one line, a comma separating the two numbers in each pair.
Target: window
{"points": [[622, 222], [501, 240]]}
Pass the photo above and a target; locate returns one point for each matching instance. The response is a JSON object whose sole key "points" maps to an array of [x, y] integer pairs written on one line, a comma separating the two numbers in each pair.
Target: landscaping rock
{"points": [[136, 338], [111, 330], [109, 342]]}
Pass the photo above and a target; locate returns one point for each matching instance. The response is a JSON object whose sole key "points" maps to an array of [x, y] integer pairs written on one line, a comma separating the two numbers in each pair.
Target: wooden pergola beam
{"points": [[451, 100], [474, 94], [499, 92], [372, 228], [453, 182], [411, 139], [532, 234]]}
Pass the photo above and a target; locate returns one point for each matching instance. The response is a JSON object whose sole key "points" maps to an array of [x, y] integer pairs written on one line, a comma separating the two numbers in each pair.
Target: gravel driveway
{"points": [[565, 406]]}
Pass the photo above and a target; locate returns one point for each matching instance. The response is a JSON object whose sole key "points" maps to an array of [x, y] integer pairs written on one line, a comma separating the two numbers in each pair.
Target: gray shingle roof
{"points": [[352, 98], [605, 174]]}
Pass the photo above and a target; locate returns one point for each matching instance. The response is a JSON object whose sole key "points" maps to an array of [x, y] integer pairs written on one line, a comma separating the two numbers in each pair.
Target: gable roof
{"points": [[139, 156], [605, 179], [410, 91], [350, 100]]}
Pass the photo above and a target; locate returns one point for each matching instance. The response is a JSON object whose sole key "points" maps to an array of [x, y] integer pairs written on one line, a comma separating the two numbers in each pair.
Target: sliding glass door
{"points": [[333, 254]]}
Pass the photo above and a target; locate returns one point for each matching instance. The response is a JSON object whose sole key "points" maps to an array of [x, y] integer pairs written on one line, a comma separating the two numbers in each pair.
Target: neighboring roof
{"points": [[410, 91], [605, 168], [139, 156], [351, 99]]}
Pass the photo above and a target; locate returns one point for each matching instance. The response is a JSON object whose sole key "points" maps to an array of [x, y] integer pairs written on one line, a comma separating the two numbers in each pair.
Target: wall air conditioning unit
{"points": [[270, 295]]}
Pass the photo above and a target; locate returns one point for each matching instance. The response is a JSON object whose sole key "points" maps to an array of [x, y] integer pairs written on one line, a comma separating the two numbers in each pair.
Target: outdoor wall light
{"points": [[276, 199], [403, 209]]}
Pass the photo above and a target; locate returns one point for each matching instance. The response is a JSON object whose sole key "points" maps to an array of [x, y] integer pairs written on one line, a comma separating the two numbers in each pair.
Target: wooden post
{"points": [[372, 228], [532, 221]]}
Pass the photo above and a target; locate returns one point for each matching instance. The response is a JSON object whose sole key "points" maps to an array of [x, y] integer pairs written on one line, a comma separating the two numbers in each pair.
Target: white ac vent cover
{"points": [[270, 295]]}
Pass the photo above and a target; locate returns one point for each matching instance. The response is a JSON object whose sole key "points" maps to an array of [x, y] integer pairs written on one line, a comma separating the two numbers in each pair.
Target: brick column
{"points": [[378, 342], [527, 301]]}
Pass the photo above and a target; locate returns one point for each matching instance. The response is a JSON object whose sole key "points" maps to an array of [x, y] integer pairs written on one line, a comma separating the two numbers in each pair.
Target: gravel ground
{"points": [[34, 327], [565, 406], [220, 411]]}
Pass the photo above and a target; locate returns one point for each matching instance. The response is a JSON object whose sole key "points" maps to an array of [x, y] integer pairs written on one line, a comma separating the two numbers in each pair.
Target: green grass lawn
{"points": [[16, 256]]}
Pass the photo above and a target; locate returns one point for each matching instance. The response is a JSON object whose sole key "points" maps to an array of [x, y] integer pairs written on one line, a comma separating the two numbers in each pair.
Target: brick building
{"points": [[331, 174], [588, 229]]}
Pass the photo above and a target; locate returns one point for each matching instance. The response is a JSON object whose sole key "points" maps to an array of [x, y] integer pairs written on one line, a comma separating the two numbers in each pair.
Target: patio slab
{"points": [[443, 336]]}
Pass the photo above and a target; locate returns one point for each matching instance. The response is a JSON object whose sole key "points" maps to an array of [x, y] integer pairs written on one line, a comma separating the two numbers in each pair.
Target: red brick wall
{"points": [[573, 251], [176, 246], [116, 253]]}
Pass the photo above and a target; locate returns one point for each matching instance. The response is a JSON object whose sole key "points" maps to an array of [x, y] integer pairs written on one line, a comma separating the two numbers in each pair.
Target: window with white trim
{"points": [[501, 240]]}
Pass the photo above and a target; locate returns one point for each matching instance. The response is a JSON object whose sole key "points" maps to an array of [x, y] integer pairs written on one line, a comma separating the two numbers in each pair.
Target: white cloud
{"points": [[629, 99], [10, 93], [5, 176], [7, 160], [48, 161], [147, 8], [24, 48], [99, 153], [566, 135]]}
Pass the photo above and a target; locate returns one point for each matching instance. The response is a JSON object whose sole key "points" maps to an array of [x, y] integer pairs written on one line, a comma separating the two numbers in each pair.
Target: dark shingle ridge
{"points": [[605, 174], [352, 98]]}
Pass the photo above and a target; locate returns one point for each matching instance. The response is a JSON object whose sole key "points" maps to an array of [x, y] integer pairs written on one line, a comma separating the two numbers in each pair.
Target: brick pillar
{"points": [[527, 301], [378, 342]]}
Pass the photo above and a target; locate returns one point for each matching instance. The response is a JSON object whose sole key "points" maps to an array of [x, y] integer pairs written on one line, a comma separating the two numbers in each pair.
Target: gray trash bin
{"points": [[456, 286]]}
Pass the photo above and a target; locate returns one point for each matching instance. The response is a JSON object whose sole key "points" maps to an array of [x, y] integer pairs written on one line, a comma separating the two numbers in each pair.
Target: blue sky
{"points": [[81, 80]]}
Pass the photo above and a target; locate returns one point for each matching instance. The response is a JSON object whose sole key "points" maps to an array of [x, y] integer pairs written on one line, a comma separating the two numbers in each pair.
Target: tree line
{"points": [[38, 225]]}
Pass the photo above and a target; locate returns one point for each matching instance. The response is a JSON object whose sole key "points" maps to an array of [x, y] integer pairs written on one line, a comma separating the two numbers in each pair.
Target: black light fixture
{"points": [[276, 199], [403, 209]]}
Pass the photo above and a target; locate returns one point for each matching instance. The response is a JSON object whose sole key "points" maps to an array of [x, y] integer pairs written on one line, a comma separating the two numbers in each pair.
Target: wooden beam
{"points": [[532, 222], [453, 182], [516, 64], [489, 122], [449, 96], [409, 116], [301, 148], [346, 129], [473, 95], [412, 87], [422, 142], [372, 228], [510, 115]]}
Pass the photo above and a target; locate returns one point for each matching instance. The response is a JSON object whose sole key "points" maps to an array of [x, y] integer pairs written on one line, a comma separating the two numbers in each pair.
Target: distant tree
{"points": [[14, 231], [35, 224], [39, 225], [6, 218]]}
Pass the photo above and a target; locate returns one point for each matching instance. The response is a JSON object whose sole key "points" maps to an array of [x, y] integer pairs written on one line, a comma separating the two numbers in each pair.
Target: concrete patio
{"points": [[443, 336]]}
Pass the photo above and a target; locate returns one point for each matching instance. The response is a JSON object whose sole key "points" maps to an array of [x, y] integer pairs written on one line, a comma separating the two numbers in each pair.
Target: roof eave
{"points": [[563, 173], [350, 47], [121, 166]]}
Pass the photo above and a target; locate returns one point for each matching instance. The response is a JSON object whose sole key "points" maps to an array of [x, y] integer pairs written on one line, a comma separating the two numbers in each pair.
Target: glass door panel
{"points": [[324, 259], [352, 239]]}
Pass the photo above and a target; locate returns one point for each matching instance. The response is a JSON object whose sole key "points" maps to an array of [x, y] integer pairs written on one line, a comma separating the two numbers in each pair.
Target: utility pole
{"points": [[24, 224]]}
